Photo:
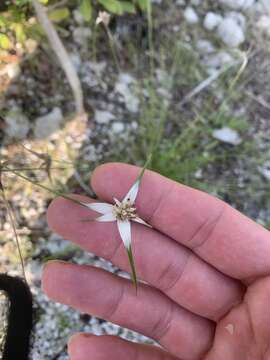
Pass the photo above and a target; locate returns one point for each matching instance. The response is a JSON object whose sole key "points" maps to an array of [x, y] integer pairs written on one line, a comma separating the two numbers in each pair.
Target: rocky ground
{"points": [[199, 98]]}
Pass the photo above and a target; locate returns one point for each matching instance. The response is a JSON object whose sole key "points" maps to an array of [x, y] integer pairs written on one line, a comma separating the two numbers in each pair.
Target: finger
{"points": [[107, 296], [212, 229], [160, 261], [245, 332], [84, 347]]}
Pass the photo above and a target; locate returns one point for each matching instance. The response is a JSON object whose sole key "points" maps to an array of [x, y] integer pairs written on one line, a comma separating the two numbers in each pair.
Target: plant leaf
{"points": [[5, 43], [143, 4], [20, 33], [86, 9], [128, 7], [59, 15], [113, 6]]}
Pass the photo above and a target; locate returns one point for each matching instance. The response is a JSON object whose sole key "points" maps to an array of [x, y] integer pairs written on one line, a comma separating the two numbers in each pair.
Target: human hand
{"points": [[206, 268]]}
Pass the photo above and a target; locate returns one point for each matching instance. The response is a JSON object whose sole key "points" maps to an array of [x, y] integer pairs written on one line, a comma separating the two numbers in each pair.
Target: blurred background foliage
{"points": [[14, 15]]}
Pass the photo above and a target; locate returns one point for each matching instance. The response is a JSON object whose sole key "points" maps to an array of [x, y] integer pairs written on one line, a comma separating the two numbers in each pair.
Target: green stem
{"points": [[150, 37], [113, 48], [12, 222], [132, 267], [32, 169], [55, 192]]}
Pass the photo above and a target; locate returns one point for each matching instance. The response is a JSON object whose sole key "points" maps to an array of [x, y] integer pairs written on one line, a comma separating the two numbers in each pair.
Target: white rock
{"points": [[124, 87], [17, 124], [265, 169], [227, 135], [196, 2], [118, 127], [264, 24], [265, 4], [191, 15], [76, 60], [218, 60], [205, 46], [212, 20], [238, 17], [238, 4], [81, 35], [180, 2], [78, 17], [48, 124], [231, 33], [103, 117], [126, 79], [265, 172]]}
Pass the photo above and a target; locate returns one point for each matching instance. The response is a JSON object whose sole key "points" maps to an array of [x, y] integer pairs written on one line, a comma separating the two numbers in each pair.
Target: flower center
{"points": [[124, 210]]}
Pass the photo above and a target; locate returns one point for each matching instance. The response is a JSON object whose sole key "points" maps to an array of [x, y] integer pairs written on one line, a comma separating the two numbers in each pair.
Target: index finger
{"points": [[215, 231]]}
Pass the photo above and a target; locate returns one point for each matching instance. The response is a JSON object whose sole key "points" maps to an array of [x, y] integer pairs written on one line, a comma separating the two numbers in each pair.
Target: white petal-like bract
{"points": [[133, 192], [124, 228], [102, 208], [106, 217], [141, 221]]}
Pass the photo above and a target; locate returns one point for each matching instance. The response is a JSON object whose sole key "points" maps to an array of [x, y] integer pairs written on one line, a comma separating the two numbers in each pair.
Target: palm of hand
{"points": [[205, 265]]}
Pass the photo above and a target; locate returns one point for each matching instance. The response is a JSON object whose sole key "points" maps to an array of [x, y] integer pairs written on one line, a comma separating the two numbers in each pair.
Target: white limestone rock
{"points": [[205, 46], [17, 124], [238, 17], [81, 35], [227, 135], [231, 33], [212, 20], [118, 127], [218, 60], [124, 87], [263, 24], [238, 4], [191, 15], [103, 116], [264, 169], [48, 124]]}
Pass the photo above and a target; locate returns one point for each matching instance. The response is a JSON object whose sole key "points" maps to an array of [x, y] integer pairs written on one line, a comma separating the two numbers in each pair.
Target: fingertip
{"points": [[78, 346], [62, 212], [101, 171], [54, 208], [48, 279], [115, 175]]}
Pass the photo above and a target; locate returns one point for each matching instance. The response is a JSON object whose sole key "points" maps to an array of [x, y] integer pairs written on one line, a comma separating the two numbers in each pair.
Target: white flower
{"points": [[103, 18], [123, 212]]}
